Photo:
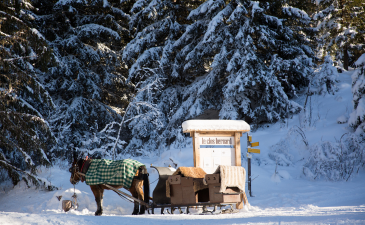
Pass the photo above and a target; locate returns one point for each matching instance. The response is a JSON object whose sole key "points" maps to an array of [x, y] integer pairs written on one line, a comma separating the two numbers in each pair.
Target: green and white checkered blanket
{"points": [[111, 172]]}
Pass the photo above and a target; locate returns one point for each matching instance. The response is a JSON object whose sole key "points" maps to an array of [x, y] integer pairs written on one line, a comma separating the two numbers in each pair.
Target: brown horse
{"points": [[140, 182]]}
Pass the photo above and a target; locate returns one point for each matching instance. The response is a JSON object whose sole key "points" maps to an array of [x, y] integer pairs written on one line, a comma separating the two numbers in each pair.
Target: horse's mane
{"points": [[79, 163], [84, 164]]}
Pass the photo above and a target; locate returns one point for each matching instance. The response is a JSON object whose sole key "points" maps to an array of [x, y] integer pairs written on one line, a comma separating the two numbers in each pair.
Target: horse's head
{"points": [[76, 166]]}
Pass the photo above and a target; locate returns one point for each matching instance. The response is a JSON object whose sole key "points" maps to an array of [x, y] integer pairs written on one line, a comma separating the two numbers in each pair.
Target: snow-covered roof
{"points": [[215, 125]]}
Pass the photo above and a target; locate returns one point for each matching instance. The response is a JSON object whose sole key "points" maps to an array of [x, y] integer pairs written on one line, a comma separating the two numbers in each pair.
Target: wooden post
{"points": [[245, 198], [196, 150], [237, 145], [249, 175], [193, 136]]}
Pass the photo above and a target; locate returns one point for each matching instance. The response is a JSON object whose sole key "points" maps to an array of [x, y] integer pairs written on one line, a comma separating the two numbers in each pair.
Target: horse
{"points": [[140, 180]]}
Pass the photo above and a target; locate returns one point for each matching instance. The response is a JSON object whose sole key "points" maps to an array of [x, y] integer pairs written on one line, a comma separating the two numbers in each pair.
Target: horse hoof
{"points": [[98, 213]]}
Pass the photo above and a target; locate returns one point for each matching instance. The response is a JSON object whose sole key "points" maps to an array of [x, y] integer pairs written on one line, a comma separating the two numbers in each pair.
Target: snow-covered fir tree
{"points": [[357, 117], [240, 48], [143, 116], [88, 84], [152, 55], [340, 24], [25, 105], [324, 79]]}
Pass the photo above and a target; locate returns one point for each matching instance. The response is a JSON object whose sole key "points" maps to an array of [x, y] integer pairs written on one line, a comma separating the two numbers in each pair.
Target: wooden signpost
{"points": [[213, 147], [216, 142], [250, 150]]}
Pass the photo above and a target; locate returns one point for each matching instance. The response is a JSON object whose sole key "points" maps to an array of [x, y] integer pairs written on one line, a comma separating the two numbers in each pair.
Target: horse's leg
{"points": [[98, 194], [101, 199], [139, 187], [134, 193], [146, 187]]}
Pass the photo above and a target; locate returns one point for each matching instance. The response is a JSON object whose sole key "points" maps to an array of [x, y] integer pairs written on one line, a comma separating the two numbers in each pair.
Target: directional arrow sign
{"points": [[253, 150], [249, 138], [254, 144]]}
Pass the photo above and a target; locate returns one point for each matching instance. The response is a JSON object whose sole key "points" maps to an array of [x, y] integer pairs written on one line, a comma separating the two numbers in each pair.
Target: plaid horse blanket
{"points": [[120, 172]]}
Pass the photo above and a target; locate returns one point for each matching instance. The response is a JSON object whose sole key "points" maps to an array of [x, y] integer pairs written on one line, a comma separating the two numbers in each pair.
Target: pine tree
{"points": [[357, 117], [25, 105], [339, 24], [237, 57], [143, 115], [88, 84], [153, 52], [324, 79], [249, 49]]}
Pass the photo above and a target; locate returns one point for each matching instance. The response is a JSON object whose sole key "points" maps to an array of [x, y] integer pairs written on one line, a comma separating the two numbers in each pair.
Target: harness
{"points": [[74, 170], [142, 175]]}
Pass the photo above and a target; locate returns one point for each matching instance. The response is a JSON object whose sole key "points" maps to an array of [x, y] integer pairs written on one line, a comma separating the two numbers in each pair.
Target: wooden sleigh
{"points": [[184, 193], [215, 142], [183, 197]]}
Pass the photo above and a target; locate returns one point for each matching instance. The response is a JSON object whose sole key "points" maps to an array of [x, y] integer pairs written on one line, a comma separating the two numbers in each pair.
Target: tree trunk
{"points": [[345, 58]]}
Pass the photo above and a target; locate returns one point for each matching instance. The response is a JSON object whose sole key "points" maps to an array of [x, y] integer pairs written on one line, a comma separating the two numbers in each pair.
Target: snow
{"points": [[96, 30], [342, 119], [222, 125], [255, 7], [360, 61], [69, 2], [290, 11], [282, 195], [36, 32], [105, 3]]}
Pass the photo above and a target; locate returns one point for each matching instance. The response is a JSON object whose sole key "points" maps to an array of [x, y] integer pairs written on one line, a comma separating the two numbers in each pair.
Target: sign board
{"points": [[215, 151], [249, 138], [252, 144], [216, 142], [253, 150]]}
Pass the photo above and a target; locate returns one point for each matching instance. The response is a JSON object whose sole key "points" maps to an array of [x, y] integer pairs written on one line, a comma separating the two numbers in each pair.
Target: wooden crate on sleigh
{"points": [[182, 190], [231, 195]]}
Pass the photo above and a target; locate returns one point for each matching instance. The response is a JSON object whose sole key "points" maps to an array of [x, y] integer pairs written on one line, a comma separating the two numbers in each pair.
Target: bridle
{"points": [[74, 170]]}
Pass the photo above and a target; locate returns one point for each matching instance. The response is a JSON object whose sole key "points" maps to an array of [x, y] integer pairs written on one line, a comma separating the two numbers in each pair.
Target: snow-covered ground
{"points": [[284, 197]]}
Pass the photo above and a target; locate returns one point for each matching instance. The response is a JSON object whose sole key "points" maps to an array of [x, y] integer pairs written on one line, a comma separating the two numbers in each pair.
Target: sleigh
{"points": [[216, 180], [182, 192]]}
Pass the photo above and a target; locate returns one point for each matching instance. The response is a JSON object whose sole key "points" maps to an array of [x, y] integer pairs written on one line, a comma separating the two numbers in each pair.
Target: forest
{"points": [[116, 78]]}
